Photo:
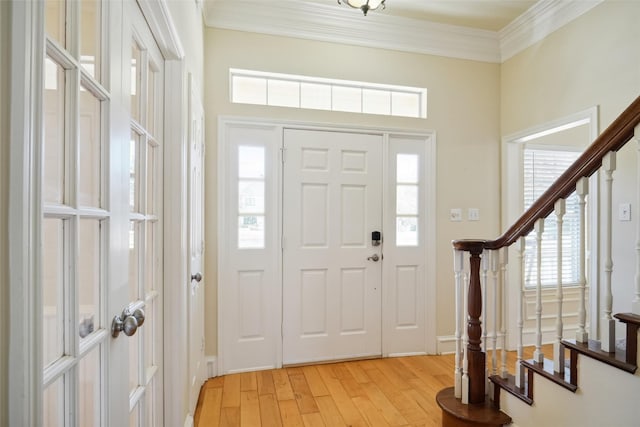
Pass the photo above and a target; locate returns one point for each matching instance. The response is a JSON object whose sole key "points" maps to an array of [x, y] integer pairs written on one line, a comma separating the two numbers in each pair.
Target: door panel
{"points": [[332, 202]]}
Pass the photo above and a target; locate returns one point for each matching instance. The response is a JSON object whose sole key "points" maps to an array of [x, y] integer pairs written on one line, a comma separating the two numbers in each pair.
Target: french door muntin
{"points": [[76, 215]]}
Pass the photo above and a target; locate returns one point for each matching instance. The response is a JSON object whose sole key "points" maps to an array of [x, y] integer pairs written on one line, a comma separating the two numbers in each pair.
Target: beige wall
{"points": [[5, 28], [595, 60], [463, 108]]}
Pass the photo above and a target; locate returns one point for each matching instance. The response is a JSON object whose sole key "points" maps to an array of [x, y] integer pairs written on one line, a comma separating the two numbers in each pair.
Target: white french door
{"points": [[145, 225], [101, 226], [332, 271]]}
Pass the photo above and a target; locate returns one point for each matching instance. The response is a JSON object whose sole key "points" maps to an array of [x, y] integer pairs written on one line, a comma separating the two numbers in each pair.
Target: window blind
{"points": [[541, 169]]}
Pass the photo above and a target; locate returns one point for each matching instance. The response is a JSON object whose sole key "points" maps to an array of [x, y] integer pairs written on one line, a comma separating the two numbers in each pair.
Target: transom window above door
{"points": [[316, 93]]}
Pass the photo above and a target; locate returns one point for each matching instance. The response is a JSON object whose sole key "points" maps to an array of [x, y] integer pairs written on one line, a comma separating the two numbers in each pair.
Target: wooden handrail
{"points": [[612, 139]]}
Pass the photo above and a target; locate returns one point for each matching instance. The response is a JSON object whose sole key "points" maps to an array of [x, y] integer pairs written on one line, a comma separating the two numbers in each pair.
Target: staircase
{"points": [[589, 380]]}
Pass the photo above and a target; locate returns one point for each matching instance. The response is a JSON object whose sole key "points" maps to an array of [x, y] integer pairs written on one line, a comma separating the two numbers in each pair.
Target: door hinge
{"points": [[283, 151]]}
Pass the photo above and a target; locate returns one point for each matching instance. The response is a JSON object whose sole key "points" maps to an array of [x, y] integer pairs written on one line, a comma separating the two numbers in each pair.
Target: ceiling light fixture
{"points": [[364, 5]]}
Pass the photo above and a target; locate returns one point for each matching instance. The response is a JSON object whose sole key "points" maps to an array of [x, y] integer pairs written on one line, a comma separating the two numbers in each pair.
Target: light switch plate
{"points": [[455, 214], [624, 211]]}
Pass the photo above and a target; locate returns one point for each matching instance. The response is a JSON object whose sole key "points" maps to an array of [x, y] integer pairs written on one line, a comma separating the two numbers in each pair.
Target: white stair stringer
{"points": [[605, 397]]}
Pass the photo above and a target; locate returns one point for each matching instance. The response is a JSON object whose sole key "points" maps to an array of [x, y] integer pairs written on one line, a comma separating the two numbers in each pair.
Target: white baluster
{"points": [[635, 305], [582, 189], [465, 340], [608, 327], [485, 289], [519, 369], [504, 260], [558, 348], [494, 333], [458, 262], [538, 355]]}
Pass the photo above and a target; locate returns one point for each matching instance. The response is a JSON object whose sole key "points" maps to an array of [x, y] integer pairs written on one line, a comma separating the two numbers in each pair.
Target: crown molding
{"points": [[538, 22], [331, 23], [336, 24]]}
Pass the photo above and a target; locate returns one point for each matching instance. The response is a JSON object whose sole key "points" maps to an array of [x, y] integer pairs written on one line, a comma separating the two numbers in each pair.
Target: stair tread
{"points": [[545, 369], [480, 413], [509, 385], [593, 349]]}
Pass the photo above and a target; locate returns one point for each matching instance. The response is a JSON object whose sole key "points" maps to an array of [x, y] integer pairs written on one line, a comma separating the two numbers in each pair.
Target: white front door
{"points": [[196, 248], [332, 203]]}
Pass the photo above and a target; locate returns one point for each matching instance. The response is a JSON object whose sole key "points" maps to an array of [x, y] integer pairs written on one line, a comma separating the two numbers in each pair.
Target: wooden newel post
{"points": [[476, 356]]}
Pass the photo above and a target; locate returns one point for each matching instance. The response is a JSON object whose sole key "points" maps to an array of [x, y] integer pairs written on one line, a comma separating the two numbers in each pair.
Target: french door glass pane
{"points": [[149, 332], [136, 81], [90, 392], [89, 269], [134, 172], [134, 417], [90, 150], [151, 100], [54, 133], [55, 14], [53, 404], [151, 181], [134, 261], [150, 253], [151, 396], [53, 278], [90, 40], [134, 361]]}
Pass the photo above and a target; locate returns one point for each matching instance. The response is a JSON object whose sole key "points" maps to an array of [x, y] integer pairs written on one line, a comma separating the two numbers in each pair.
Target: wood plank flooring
{"points": [[380, 392]]}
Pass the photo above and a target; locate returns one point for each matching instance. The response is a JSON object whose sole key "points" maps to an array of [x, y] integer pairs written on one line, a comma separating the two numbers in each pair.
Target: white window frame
{"points": [[331, 84], [511, 194]]}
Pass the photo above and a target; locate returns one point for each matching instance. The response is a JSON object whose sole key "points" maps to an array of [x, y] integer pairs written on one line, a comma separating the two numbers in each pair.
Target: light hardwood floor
{"points": [[380, 392]]}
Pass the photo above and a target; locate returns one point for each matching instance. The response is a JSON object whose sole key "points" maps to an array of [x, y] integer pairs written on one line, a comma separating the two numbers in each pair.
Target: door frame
{"points": [[25, 206], [277, 127]]}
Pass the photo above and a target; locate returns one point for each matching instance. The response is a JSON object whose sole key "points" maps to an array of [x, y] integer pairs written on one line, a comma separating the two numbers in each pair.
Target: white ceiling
{"points": [[491, 15]]}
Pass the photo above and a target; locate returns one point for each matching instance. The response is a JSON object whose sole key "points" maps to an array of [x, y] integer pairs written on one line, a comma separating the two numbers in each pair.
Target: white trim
{"points": [[211, 363], [512, 159], [25, 330], [330, 23], [335, 24], [160, 22], [539, 21], [175, 244], [188, 421]]}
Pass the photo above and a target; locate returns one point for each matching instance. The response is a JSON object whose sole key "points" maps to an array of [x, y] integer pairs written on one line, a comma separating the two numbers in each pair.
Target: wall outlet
{"points": [[455, 214], [473, 214]]}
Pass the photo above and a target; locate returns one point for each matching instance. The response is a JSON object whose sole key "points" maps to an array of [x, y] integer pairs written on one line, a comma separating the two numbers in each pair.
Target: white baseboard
{"points": [[447, 343], [212, 366], [188, 422]]}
